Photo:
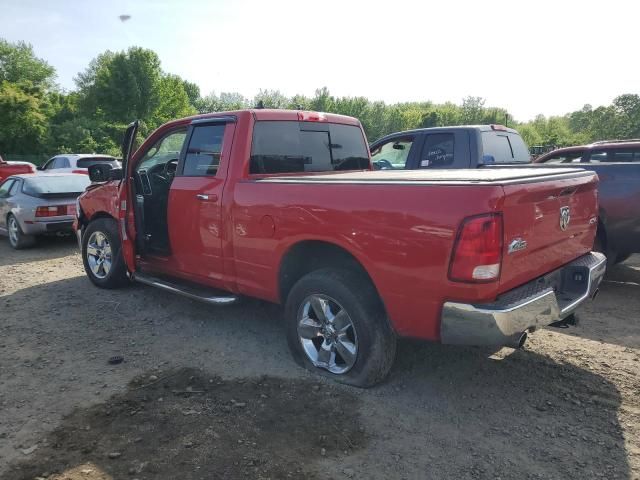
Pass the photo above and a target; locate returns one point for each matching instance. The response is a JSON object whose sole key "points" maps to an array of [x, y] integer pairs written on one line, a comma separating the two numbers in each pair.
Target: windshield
{"points": [[43, 185], [287, 147]]}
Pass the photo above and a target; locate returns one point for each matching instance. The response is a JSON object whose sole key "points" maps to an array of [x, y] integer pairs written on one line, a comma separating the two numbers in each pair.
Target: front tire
{"points": [[337, 327], [17, 238], [102, 254]]}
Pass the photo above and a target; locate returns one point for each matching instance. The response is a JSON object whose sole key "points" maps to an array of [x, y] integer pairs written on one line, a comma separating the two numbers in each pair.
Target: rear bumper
{"points": [[40, 227], [536, 304]]}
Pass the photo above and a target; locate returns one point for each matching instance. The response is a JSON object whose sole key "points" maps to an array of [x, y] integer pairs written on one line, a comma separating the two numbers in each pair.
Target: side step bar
{"points": [[190, 291]]}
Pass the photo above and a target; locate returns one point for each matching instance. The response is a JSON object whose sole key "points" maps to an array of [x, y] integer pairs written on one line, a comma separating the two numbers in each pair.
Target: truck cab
{"points": [[468, 146]]}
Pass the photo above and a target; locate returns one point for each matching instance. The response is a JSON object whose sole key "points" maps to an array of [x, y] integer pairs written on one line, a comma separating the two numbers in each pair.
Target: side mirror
{"points": [[40, 167], [103, 172], [398, 146]]}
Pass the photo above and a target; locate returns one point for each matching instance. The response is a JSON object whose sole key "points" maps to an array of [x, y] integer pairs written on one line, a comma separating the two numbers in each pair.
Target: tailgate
{"points": [[547, 223]]}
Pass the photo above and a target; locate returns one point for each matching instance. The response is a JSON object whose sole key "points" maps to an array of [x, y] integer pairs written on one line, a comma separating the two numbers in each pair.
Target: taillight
{"points": [[312, 117], [477, 253], [55, 211]]}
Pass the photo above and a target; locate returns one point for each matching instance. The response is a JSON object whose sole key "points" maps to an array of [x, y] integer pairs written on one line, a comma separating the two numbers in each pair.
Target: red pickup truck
{"points": [[283, 206]]}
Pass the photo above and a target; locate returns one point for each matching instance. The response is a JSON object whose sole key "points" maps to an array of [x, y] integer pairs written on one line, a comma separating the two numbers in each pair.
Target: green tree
{"points": [[23, 123], [19, 65]]}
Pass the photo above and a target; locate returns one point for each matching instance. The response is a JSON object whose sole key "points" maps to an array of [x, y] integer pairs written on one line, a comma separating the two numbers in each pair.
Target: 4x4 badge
{"points": [[565, 217]]}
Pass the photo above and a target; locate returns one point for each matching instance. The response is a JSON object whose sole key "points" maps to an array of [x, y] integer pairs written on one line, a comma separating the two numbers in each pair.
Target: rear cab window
{"points": [[297, 147], [504, 147]]}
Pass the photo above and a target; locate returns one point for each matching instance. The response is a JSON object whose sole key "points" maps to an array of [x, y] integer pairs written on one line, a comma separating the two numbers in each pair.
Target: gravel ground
{"points": [[208, 392]]}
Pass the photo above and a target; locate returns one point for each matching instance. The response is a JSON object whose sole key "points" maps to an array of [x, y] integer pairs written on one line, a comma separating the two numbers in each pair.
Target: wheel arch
{"points": [[306, 256]]}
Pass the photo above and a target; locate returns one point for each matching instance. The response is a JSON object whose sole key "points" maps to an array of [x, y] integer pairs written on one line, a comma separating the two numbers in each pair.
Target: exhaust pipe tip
{"points": [[518, 341]]}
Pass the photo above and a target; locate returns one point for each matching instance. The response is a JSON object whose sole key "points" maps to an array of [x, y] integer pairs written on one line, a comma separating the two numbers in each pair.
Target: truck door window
{"points": [[392, 155], [437, 151], [203, 152], [166, 149], [289, 147]]}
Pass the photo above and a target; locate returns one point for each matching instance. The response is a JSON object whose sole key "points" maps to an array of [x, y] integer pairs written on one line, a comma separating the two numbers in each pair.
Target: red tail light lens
{"points": [[55, 211], [477, 253]]}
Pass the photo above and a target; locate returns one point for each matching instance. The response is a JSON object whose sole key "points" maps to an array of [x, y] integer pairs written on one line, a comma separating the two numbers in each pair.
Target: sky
{"points": [[528, 56]]}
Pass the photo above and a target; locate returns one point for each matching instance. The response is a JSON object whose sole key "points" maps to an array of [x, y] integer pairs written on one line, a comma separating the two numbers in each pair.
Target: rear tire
{"points": [[17, 238], [350, 340], [102, 254]]}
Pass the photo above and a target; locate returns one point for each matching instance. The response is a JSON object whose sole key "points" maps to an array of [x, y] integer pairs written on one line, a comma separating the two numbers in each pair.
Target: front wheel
{"points": [[337, 326], [102, 255]]}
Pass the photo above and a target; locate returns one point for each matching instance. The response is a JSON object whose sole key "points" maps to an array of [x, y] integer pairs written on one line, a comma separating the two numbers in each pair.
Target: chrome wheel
{"points": [[14, 231], [99, 254], [327, 334]]}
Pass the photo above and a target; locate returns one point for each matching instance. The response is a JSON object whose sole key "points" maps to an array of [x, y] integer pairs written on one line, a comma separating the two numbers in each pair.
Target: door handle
{"points": [[207, 198]]}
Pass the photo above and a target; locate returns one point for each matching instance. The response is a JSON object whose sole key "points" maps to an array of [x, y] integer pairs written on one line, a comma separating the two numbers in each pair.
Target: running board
{"points": [[186, 290]]}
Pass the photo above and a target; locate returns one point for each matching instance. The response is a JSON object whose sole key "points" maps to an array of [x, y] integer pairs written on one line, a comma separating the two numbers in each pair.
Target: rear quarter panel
{"points": [[402, 235]]}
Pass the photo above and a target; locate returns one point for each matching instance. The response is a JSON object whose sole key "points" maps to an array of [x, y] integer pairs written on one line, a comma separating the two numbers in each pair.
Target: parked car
{"points": [[467, 146], [13, 168], [38, 204], [257, 203], [617, 164], [77, 162]]}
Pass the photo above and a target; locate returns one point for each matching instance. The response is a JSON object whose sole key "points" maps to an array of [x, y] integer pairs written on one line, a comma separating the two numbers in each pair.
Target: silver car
{"points": [[37, 204]]}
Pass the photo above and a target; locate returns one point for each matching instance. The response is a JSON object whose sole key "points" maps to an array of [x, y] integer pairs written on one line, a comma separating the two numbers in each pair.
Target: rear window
{"points": [[43, 185], [87, 162], [504, 147], [287, 147]]}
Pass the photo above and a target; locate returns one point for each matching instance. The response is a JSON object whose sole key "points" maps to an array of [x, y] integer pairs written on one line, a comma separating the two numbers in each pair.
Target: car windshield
{"points": [[43, 185]]}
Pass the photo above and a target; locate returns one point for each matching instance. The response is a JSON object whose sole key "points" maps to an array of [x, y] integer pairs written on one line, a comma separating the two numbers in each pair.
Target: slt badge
{"points": [[565, 218]]}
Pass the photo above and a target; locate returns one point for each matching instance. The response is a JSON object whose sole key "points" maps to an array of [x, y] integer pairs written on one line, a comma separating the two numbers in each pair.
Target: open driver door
{"points": [[125, 207]]}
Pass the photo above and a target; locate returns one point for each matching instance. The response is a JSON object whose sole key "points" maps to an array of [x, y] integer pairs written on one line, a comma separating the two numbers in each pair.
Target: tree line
{"points": [[37, 117]]}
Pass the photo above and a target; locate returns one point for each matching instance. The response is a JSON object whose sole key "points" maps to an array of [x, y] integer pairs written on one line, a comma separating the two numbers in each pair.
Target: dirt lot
{"points": [[212, 393]]}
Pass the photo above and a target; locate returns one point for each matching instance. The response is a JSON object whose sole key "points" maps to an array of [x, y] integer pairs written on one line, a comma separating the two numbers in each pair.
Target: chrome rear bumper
{"points": [[536, 304]]}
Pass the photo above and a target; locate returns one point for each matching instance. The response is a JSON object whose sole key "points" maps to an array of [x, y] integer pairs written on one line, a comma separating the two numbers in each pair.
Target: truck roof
{"points": [[481, 128], [494, 176], [272, 114]]}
